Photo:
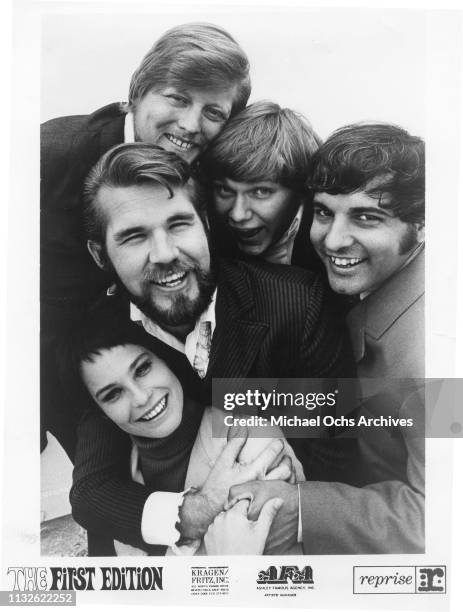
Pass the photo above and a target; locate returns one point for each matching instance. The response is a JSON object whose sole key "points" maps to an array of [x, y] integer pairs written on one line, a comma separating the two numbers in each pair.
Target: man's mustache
{"points": [[159, 272]]}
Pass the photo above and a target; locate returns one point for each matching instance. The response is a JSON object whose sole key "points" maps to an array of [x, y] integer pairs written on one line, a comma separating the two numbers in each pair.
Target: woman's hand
{"points": [[200, 507], [232, 533]]}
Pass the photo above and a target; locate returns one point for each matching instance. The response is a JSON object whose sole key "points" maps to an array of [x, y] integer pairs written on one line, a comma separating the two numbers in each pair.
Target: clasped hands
{"points": [[246, 498]]}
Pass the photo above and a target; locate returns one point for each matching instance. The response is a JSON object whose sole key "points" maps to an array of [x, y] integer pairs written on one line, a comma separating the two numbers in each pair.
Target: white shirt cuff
{"points": [[160, 514], [299, 523], [186, 550]]}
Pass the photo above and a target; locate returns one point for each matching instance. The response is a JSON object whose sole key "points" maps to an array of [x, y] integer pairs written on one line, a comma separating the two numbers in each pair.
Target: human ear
{"points": [[420, 231], [97, 252]]}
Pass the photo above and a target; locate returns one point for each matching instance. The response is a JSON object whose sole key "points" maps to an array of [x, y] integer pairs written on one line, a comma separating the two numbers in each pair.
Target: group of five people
{"points": [[186, 237]]}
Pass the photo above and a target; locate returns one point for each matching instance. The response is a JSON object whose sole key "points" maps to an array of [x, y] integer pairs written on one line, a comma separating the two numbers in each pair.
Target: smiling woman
{"points": [[135, 380], [135, 389]]}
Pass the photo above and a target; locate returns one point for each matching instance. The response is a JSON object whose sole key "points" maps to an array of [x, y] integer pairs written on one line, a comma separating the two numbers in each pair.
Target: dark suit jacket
{"points": [[271, 321], [387, 515], [69, 278], [70, 146]]}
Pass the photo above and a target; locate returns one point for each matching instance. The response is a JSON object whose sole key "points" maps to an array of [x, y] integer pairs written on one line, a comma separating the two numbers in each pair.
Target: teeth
{"points": [[183, 144], [157, 409], [345, 262], [172, 280], [248, 232]]}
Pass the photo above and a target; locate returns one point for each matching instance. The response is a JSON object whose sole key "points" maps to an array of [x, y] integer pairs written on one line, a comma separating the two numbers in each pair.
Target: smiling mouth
{"points": [[159, 408], [245, 235], [345, 262], [171, 281], [185, 145]]}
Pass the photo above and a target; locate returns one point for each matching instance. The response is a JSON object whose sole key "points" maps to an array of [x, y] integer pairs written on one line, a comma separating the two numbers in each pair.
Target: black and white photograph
{"points": [[233, 201]]}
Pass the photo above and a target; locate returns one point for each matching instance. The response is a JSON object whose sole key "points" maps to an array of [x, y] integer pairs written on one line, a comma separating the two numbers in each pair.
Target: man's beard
{"points": [[182, 310]]}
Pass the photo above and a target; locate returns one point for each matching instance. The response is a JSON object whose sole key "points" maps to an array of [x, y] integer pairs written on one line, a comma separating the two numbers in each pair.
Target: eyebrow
{"points": [[370, 209], [132, 367], [358, 210], [122, 234], [250, 184], [185, 92], [135, 362], [225, 107], [220, 183], [181, 217], [104, 390]]}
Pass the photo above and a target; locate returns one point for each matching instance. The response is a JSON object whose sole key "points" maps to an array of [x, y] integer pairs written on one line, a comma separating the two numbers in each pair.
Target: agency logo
{"points": [[210, 580], [286, 574]]}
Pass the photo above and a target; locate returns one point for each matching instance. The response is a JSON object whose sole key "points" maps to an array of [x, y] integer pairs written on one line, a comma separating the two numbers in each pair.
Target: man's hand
{"points": [[283, 471], [228, 471], [232, 533], [283, 534], [200, 508]]}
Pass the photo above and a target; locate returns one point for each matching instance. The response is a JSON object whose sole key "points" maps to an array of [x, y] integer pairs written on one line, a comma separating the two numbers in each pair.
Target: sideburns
{"points": [[409, 240]]}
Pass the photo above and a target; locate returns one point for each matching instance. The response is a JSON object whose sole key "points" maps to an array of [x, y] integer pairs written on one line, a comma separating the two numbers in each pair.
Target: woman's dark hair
{"points": [[383, 160], [96, 331]]}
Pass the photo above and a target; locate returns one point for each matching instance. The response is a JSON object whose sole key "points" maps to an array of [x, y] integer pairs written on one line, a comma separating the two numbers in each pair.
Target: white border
{"points": [[22, 239]]}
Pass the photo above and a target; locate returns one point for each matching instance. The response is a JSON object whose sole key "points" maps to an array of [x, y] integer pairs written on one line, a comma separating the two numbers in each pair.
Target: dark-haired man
{"points": [[368, 182], [147, 227], [190, 82]]}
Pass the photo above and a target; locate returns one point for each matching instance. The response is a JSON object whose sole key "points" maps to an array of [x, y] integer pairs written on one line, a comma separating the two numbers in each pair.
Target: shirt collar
{"points": [[129, 132], [189, 347], [282, 251]]}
